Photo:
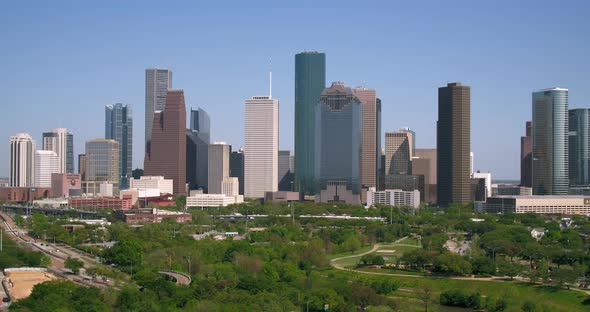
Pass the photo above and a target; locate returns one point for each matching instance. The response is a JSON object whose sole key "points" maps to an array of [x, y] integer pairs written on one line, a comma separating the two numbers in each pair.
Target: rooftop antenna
{"points": [[270, 78]]}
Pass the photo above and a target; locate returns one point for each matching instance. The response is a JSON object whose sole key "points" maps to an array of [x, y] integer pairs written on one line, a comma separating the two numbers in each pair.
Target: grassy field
{"points": [[390, 252]]}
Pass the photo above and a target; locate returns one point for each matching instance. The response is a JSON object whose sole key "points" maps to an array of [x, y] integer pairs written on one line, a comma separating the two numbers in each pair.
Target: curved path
{"points": [[180, 278]]}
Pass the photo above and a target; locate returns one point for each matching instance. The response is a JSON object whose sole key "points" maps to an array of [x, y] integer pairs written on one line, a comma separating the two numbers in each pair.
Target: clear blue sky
{"points": [[62, 61]]}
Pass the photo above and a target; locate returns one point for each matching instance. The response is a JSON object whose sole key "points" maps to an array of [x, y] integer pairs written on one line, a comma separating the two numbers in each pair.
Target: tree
{"points": [[565, 275], [352, 243], [426, 296], [450, 263], [74, 264], [509, 269], [529, 306]]}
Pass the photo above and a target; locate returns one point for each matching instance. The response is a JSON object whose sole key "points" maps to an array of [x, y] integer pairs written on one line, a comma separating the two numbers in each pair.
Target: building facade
{"points": [[102, 166], [218, 166], [338, 138], [453, 143], [526, 156], [261, 150], [66, 184], [553, 204], [46, 164], [198, 137], [579, 147], [236, 167], [166, 155], [157, 83], [119, 127], [22, 161], [212, 200], [310, 81], [369, 136], [424, 164], [550, 142], [395, 198], [165, 186], [286, 171], [398, 152], [62, 143]]}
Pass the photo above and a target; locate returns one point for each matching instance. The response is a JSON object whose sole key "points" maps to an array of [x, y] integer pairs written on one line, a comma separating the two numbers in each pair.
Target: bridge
{"points": [[178, 277], [28, 210]]}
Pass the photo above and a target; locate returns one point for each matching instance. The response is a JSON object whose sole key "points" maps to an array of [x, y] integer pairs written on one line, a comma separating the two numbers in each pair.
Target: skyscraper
{"points": [[262, 146], [369, 136], [550, 142], [46, 163], [62, 143], [310, 81], [338, 137], [119, 127], [579, 147], [378, 149], [285, 177], [424, 164], [526, 160], [218, 166], [236, 168], [102, 165], [198, 137], [166, 155], [453, 142], [157, 83], [22, 161], [398, 152]]}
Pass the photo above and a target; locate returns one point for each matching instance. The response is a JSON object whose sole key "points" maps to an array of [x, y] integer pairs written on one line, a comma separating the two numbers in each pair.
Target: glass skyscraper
{"points": [[310, 81], [579, 147], [550, 142], [119, 127], [198, 138], [338, 137]]}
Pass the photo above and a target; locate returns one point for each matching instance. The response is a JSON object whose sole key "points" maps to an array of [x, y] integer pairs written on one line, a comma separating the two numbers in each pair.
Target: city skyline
{"points": [[405, 76]]}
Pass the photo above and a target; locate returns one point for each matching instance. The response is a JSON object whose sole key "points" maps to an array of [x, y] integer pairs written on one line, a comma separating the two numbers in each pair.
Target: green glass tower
{"points": [[310, 81]]}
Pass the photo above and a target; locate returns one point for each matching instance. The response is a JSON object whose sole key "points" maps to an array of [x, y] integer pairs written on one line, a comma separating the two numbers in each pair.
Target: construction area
{"points": [[20, 282]]}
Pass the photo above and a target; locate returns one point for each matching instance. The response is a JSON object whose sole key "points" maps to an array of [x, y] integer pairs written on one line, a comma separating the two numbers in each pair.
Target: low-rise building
{"points": [[52, 202], [152, 182], [138, 216], [94, 203], [66, 184], [23, 194], [537, 233], [337, 192], [213, 200], [396, 198], [541, 204], [281, 196]]}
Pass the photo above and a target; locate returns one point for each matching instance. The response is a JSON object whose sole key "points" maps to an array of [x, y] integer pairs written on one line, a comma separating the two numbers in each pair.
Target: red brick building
{"points": [[94, 203], [62, 184], [23, 194]]}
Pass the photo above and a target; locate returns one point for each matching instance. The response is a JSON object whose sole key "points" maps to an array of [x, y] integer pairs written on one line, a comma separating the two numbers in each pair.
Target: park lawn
{"points": [[392, 271], [411, 241], [345, 254]]}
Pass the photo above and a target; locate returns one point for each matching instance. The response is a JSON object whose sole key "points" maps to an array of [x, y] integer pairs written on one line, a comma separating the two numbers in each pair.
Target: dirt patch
{"points": [[386, 251], [20, 283]]}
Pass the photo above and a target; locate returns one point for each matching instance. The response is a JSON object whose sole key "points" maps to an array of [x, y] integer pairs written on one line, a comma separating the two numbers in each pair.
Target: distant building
{"points": [[165, 186], [550, 142], [338, 192], [119, 127], [369, 136], [338, 138], [488, 181], [166, 151], [424, 164], [66, 184], [541, 204], [198, 137], [22, 161], [510, 189], [526, 156], [286, 171], [579, 147], [310, 81], [218, 166], [23, 194], [157, 83], [262, 146], [537, 233], [149, 215], [454, 145], [212, 200], [102, 165], [46, 164], [62, 143], [281, 196], [396, 198], [405, 182], [94, 203], [230, 186], [398, 152], [236, 167]]}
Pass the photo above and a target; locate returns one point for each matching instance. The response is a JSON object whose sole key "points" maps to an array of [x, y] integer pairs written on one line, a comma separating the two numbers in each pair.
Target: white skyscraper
{"points": [[157, 83], [22, 161], [61, 142], [262, 146], [46, 163]]}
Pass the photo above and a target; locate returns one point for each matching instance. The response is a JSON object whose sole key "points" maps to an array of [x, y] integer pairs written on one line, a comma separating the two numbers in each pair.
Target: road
{"points": [[181, 278], [57, 255]]}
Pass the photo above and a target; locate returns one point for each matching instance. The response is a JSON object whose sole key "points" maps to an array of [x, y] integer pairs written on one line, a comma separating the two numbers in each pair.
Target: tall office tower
{"points": [[398, 152], [369, 136], [286, 174], [82, 166], [338, 137], [62, 143], [579, 147], [424, 164], [166, 155], [453, 142], [22, 161], [157, 84], [102, 165], [550, 142], [378, 149], [198, 137], [46, 163], [218, 166], [261, 152], [119, 127], [526, 158], [236, 168], [310, 81], [412, 141]]}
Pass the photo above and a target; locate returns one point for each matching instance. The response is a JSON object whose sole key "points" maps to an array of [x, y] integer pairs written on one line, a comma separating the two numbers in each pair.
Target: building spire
{"points": [[270, 78]]}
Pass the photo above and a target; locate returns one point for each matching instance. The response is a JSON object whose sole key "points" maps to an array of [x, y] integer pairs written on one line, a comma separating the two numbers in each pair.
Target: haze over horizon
{"points": [[64, 61]]}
